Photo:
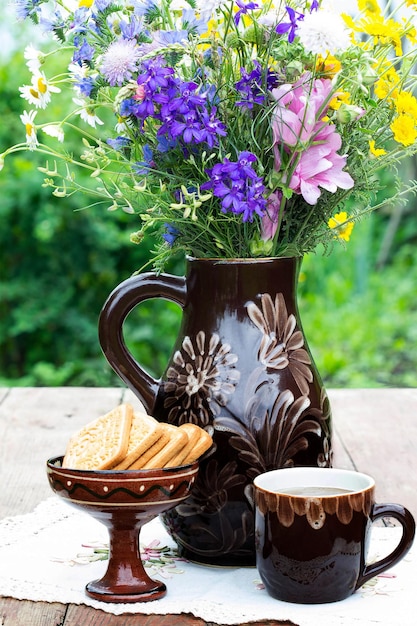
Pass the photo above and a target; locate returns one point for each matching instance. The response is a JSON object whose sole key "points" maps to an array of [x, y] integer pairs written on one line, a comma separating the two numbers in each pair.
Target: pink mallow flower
{"points": [[269, 221], [311, 143]]}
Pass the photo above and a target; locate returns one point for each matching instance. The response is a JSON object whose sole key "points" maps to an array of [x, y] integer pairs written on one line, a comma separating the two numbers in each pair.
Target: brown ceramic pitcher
{"points": [[241, 368]]}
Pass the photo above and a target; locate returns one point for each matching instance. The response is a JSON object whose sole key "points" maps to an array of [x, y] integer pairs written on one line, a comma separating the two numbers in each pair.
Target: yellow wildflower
{"points": [[411, 34], [341, 97], [86, 3], [387, 86], [376, 152], [412, 4], [344, 227], [369, 6], [404, 129], [405, 102], [382, 32], [328, 65]]}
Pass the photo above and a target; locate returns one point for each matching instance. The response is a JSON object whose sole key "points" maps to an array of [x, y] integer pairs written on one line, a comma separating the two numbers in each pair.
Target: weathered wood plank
{"points": [[35, 424], [87, 616], [378, 428], [24, 613]]}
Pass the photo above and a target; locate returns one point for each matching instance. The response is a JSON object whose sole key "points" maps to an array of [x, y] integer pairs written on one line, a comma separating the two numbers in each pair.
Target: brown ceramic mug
{"points": [[312, 532]]}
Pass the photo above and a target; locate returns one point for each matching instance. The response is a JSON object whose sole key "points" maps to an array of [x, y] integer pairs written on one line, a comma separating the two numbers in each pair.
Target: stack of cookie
{"points": [[125, 439]]}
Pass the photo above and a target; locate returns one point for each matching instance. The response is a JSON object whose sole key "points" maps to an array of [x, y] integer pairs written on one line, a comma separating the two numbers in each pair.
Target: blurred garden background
{"points": [[58, 263]]}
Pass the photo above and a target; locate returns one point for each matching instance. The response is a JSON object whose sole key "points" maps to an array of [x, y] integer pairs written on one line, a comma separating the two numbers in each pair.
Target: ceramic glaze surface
{"points": [[241, 368], [313, 548], [123, 500]]}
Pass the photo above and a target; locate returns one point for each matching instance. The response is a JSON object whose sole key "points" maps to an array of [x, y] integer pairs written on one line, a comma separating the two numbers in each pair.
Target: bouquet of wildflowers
{"points": [[232, 128]]}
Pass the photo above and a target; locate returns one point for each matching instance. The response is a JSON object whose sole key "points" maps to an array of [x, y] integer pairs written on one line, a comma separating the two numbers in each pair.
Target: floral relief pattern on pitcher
{"points": [[200, 379], [282, 342]]}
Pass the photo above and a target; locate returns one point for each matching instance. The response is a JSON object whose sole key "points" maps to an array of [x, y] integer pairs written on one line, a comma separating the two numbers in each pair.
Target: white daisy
{"points": [[323, 31], [34, 59], [86, 112], [39, 91], [54, 130], [28, 121]]}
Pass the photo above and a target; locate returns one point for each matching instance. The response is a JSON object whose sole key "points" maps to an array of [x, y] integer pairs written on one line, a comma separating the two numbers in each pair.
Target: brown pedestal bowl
{"points": [[123, 500]]}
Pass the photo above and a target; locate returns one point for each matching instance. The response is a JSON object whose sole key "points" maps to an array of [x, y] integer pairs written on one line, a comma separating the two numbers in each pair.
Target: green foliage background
{"points": [[58, 264]]}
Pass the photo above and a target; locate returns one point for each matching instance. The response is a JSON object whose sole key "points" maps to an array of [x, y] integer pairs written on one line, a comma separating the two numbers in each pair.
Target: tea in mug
{"points": [[314, 492]]}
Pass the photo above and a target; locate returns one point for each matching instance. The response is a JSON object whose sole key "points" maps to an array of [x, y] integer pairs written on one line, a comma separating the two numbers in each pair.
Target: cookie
{"points": [[177, 440], [102, 443], [204, 442], [144, 432], [193, 432]]}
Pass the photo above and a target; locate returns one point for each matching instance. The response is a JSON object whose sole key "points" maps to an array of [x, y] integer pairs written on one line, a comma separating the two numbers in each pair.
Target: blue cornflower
{"points": [[101, 5], [165, 144], [80, 19], [131, 29], [291, 26], [142, 167], [143, 7], [85, 85], [26, 8], [238, 186], [170, 235], [192, 24], [84, 53], [243, 9], [53, 22], [119, 143], [168, 37]]}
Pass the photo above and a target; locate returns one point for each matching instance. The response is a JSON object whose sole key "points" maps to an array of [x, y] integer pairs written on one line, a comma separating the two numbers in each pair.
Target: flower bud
{"points": [[254, 35], [368, 76], [137, 237], [259, 247], [233, 40], [349, 113]]}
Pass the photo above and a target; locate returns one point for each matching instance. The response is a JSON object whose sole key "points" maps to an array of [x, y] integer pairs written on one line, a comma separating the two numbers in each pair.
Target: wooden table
{"points": [[375, 431]]}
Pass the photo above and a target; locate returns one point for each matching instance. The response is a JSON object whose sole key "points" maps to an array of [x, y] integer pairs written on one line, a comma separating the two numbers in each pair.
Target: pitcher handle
{"points": [[118, 305]]}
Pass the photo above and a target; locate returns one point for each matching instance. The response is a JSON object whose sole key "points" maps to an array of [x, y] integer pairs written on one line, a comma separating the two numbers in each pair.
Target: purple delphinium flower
{"points": [[243, 9], [238, 186], [156, 74], [249, 86], [314, 6], [291, 26]]}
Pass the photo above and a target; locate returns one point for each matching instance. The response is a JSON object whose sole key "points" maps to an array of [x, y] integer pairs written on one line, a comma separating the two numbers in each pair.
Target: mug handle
{"points": [[118, 305], [403, 515]]}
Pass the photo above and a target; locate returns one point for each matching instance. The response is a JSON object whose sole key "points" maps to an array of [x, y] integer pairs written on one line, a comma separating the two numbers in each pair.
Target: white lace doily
{"points": [[39, 560]]}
